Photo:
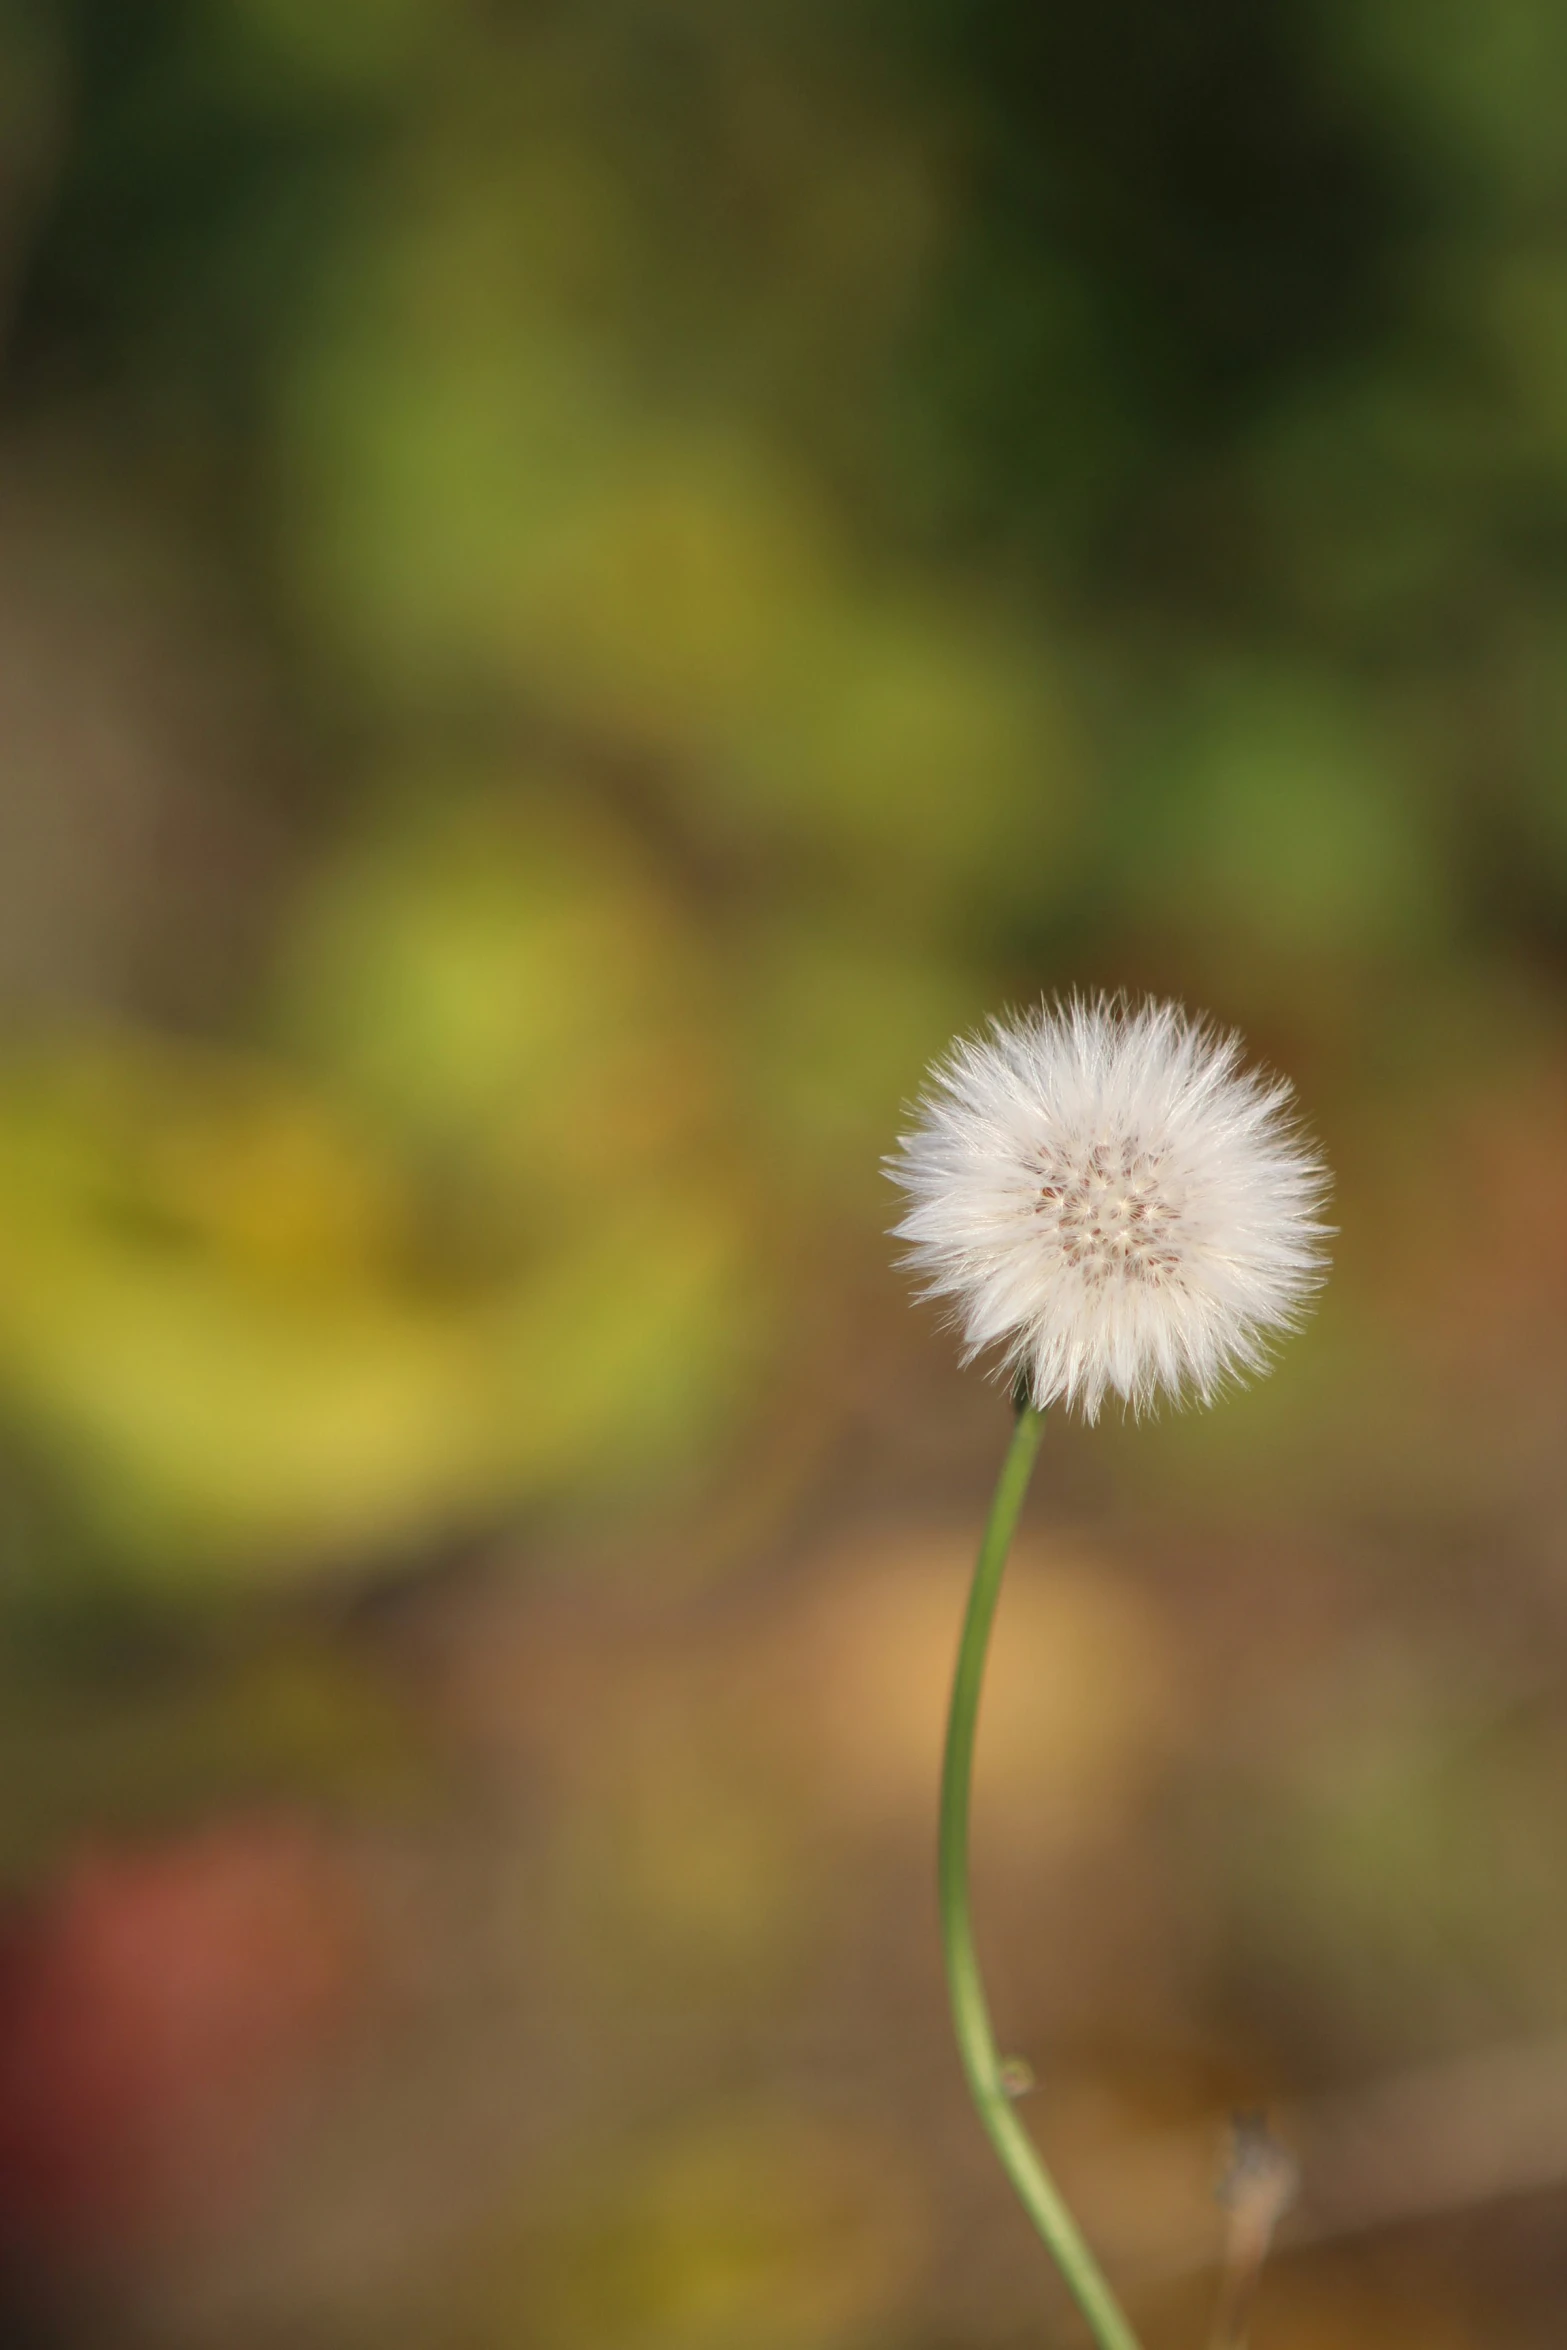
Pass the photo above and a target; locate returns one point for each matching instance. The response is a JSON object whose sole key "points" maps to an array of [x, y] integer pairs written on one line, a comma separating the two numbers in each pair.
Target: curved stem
{"points": [[971, 2018]]}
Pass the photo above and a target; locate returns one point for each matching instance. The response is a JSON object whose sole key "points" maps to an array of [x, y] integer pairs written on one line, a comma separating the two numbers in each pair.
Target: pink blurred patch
{"points": [[160, 2012]]}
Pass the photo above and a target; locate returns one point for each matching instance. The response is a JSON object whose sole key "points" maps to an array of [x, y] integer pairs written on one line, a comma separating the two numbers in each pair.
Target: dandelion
{"points": [[1114, 1201]]}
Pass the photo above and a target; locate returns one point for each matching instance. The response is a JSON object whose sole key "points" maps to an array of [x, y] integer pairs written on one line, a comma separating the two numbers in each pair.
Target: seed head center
{"points": [[1110, 1207]]}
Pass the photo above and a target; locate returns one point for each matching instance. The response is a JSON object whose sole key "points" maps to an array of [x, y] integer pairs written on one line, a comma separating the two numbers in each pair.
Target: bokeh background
{"points": [[580, 586]]}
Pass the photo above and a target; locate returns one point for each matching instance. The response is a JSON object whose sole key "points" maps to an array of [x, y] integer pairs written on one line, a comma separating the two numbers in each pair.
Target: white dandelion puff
{"points": [[1112, 1199]]}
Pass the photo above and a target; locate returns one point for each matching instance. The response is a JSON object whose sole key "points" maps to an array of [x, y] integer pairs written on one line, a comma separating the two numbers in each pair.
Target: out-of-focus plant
{"points": [[766, 484]]}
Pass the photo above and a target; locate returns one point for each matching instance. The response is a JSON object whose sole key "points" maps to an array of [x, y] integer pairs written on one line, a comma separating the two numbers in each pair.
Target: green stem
{"points": [[971, 2018]]}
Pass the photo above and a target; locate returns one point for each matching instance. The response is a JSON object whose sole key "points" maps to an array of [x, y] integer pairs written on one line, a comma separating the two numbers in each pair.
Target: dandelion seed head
{"points": [[1114, 1201]]}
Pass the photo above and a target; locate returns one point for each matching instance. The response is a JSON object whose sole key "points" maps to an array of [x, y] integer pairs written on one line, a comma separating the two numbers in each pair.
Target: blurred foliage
{"points": [[750, 2228], [777, 531], [126, 1756], [584, 585]]}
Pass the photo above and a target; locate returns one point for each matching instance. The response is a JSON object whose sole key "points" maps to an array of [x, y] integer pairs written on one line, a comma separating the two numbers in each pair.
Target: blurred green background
{"points": [[580, 586]]}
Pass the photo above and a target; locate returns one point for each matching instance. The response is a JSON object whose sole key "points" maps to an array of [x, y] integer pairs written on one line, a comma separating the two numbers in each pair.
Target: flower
{"points": [[1109, 1196]]}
